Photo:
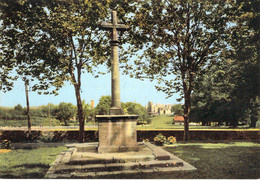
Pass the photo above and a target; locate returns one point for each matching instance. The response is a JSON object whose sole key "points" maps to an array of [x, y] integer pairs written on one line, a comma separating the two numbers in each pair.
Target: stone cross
{"points": [[115, 90]]}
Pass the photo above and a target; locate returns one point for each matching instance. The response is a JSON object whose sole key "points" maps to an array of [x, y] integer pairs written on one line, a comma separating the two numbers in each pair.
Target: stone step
{"points": [[117, 166], [158, 152], [81, 159], [149, 159], [134, 171]]}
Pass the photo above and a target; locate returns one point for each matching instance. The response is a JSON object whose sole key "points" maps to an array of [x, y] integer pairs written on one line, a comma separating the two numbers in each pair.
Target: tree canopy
{"points": [[228, 90], [54, 41], [103, 105], [136, 109], [177, 109], [65, 112], [179, 39]]}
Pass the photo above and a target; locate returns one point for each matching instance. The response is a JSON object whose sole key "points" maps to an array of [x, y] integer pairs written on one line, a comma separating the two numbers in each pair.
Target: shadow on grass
{"points": [[22, 176], [30, 146], [32, 166], [23, 171]]}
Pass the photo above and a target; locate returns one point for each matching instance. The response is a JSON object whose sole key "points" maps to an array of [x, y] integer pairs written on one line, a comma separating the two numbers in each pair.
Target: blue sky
{"points": [[132, 90]]}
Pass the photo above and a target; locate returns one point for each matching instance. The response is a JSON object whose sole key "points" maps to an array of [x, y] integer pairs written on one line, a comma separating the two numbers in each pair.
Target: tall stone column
{"points": [[115, 80]]}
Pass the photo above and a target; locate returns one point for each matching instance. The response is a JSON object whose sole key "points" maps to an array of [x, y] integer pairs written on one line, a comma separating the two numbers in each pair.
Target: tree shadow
{"points": [[32, 166], [22, 174]]}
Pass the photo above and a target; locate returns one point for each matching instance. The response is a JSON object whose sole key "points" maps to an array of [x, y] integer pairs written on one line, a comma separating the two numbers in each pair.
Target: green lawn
{"points": [[28, 163], [165, 122], [213, 160]]}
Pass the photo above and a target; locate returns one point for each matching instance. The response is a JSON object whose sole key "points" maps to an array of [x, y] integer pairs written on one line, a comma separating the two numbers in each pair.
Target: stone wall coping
{"points": [[117, 116]]}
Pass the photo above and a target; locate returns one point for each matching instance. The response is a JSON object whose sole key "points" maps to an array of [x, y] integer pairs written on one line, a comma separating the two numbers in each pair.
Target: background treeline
{"points": [[66, 113]]}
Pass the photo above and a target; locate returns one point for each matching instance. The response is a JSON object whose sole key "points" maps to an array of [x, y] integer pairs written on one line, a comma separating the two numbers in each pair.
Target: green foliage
{"points": [[21, 46], [178, 39], [89, 112], [228, 90], [159, 139], [103, 106], [65, 112], [137, 109], [19, 108], [177, 109], [16, 113], [22, 121], [53, 42], [6, 144], [171, 140], [43, 111]]}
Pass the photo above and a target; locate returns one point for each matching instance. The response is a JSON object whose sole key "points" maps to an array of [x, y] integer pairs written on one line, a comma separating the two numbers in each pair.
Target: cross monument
{"points": [[116, 131], [115, 80]]}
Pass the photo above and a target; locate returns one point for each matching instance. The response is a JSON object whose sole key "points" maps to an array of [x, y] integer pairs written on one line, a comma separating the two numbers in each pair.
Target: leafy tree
{"points": [[20, 37], [246, 50], [136, 109], [211, 99], [177, 109], [65, 111], [20, 48], [179, 38], [58, 41], [19, 108], [229, 90], [89, 112], [104, 105]]}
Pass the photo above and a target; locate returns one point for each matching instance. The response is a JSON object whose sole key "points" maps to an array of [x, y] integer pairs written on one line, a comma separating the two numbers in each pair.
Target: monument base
{"points": [[117, 133], [116, 111], [81, 160]]}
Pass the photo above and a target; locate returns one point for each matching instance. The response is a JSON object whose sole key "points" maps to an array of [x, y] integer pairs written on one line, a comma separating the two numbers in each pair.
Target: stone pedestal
{"points": [[117, 133]]}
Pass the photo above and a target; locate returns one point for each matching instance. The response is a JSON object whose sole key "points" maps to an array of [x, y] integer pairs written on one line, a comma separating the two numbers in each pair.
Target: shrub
{"points": [[171, 140], [160, 138], [6, 144]]}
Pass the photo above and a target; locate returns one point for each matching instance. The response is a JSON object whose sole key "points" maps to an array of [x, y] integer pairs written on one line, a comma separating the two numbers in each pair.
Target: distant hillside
{"points": [[3, 107], [31, 107]]}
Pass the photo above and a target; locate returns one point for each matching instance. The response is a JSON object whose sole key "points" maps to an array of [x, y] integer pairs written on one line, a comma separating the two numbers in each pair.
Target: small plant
{"points": [[6, 144], [171, 140], [145, 140], [159, 139]]}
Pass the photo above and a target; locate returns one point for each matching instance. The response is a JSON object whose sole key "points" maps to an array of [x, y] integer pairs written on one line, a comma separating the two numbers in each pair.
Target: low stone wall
{"points": [[200, 134], [47, 136], [92, 135]]}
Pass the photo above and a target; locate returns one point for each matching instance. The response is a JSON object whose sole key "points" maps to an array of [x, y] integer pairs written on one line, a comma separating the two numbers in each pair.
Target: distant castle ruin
{"points": [[158, 109]]}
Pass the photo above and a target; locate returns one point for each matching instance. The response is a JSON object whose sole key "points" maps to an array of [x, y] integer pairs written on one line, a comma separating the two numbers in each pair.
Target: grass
{"points": [[165, 122], [212, 160], [28, 163]]}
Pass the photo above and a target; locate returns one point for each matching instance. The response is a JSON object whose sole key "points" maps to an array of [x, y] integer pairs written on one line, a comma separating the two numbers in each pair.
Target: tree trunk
{"points": [[254, 117], [187, 105], [80, 115], [187, 101], [29, 134]]}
